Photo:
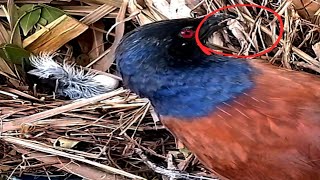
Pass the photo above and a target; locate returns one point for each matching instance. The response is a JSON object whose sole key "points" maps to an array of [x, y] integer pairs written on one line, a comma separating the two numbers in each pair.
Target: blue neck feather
{"points": [[196, 92]]}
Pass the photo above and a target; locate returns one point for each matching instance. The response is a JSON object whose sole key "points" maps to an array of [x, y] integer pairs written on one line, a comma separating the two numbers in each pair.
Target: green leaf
{"points": [[25, 9], [43, 21], [29, 20], [13, 53], [50, 13]]}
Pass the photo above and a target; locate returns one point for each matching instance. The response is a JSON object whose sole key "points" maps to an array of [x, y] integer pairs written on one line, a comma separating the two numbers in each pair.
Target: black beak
{"points": [[212, 24]]}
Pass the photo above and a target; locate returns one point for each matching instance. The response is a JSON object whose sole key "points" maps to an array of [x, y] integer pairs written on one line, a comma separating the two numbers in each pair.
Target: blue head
{"points": [[162, 62]]}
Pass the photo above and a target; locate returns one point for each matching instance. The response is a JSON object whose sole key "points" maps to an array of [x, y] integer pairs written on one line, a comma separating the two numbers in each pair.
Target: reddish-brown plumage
{"points": [[270, 132]]}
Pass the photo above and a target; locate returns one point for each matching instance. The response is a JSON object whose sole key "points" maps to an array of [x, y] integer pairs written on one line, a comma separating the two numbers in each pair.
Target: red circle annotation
{"points": [[209, 51]]}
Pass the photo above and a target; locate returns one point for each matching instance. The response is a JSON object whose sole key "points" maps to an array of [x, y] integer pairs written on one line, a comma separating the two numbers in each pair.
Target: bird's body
{"points": [[269, 132], [243, 119]]}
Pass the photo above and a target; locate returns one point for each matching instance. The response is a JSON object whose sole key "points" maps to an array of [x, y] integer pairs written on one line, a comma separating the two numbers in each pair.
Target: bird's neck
{"points": [[194, 90]]}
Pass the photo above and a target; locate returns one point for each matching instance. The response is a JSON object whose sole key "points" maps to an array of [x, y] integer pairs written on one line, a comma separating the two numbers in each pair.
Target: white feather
{"points": [[73, 82]]}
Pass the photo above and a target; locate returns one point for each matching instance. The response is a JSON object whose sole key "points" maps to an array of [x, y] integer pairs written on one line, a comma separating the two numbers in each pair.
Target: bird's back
{"points": [[271, 131]]}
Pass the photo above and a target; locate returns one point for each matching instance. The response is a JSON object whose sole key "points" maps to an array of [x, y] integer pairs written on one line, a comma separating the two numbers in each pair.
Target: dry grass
{"points": [[118, 132]]}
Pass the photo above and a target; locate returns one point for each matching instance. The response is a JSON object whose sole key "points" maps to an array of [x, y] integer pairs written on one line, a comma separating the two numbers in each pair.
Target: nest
{"points": [[117, 135]]}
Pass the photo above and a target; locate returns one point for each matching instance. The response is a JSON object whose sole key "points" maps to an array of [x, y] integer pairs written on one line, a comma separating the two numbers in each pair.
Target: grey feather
{"points": [[72, 82]]}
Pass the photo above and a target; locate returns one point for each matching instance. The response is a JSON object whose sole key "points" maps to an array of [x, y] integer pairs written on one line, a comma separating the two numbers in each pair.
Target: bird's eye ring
{"points": [[187, 33]]}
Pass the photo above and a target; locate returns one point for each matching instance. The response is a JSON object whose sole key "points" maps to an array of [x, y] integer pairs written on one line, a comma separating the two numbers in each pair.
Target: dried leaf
{"points": [[46, 149], [306, 8], [97, 14], [6, 70], [13, 17], [85, 41], [216, 39], [66, 143], [239, 32], [154, 11], [107, 61], [178, 9], [4, 168], [316, 18], [81, 169], [316, 49], [4, 66], [54, 35], [115, 3], [163, 6], [19, 93], [133, 8], [4, 35], [98, 44], [16, 123]]}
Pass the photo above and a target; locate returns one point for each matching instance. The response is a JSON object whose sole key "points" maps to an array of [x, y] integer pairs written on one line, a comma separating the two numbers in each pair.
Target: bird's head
{"points": [[162, 61], [176, 36]]}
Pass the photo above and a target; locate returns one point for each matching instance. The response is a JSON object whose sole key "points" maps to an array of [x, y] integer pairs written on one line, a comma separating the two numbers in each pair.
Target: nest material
{"points": [[118, 132]]}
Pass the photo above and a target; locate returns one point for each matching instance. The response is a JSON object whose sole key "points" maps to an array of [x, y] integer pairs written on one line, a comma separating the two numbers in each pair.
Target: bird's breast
{"points": [[270, 131]]}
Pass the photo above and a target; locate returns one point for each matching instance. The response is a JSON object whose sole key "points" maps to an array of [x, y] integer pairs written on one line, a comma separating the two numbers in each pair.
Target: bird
{"points": [[242, 118]]}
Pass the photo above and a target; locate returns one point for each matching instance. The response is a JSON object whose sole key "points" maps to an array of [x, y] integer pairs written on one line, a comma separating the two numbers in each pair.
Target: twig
{"points": [[46, 149], [16, 123], [172, 174]]}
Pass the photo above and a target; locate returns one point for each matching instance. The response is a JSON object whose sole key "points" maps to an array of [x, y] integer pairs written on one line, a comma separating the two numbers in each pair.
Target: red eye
{"points": [[187, 33]]}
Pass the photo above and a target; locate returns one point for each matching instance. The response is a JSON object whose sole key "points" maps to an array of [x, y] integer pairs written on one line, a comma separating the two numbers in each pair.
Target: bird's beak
{"points": [[212, 24]]}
